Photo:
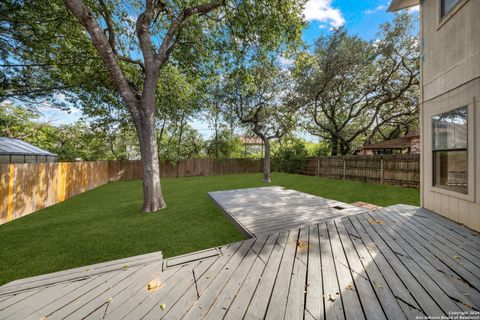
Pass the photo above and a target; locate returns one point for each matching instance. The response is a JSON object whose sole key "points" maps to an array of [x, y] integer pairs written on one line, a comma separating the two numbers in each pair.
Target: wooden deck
{"points": [[268, 210], [398, 262]]}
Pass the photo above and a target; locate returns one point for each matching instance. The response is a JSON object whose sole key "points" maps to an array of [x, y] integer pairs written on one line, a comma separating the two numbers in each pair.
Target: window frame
{"points": [[429, 182], [444, 13], [447, 150], [442, 19]]}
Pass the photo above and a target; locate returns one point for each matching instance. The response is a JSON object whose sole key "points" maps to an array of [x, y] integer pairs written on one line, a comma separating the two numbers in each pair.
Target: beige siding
{"points": [[451, 46], [451, 79]]}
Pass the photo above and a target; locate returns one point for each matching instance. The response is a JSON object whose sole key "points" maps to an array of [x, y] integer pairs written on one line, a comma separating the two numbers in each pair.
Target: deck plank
{"points": [[314, 307], [115, 294], [231, 290], [202, 305], [240, 304], [449, 224], [387, 288], [361, 282], [259, 304], [203, 274], [348, 292], [79, 273], [150, 307], [412, 248], [296, 294], [425, 301], [331, 291], [18, 311], [438, 229], [448, 256], [126, 300], [79, 301], [412, 261]]}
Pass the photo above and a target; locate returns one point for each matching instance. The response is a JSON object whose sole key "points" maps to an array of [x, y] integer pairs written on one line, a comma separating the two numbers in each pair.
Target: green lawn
{"points": [[106, 223]]}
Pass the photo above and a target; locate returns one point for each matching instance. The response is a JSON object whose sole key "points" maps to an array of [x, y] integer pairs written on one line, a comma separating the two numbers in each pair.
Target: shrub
{"points": [[290, 157]]}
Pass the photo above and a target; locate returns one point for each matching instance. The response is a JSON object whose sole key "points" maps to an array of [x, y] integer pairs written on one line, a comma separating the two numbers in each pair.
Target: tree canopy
{"points": [[352, 89]]}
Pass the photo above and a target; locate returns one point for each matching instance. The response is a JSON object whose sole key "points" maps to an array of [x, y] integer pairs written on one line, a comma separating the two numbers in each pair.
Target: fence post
{"points": [[318, 167], [344, 169], [381, 170]]}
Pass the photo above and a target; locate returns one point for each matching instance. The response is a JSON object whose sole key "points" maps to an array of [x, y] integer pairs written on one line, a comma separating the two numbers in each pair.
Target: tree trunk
{"points": [[334, 144], [344, 148], [266, 162], [152, 192], [216, 136]]}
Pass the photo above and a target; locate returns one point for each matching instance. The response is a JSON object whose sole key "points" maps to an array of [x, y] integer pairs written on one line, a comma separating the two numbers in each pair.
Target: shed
{"points": [[252, 144], [14, 150], [409, 143]]}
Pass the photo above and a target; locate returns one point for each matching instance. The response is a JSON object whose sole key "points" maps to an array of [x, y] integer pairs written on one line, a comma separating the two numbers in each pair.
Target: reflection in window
{"points": [[447, 6], [450, 154]]}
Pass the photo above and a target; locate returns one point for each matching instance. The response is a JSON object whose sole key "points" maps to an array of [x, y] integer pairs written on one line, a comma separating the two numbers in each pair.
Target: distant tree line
{"points": [[89, 141]]}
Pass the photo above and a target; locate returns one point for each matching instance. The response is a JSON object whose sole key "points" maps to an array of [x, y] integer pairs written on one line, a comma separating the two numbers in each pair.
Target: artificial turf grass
{"points": [[106, 223]]}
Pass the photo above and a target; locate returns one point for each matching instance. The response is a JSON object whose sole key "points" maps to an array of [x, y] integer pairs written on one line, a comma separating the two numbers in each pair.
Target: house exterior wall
{"points": [[451, 79]]}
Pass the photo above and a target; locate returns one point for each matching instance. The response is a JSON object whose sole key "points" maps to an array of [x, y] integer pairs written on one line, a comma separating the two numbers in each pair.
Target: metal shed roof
{"points": [[18, 147]]}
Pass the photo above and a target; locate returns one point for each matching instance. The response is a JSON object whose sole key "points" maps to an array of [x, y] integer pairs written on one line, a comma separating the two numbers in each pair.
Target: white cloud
{"points": [[322, 10], [377, 9]]}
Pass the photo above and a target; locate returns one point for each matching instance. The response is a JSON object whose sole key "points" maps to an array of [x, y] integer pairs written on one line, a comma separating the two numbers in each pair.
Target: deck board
{"points": [[398, 262]]}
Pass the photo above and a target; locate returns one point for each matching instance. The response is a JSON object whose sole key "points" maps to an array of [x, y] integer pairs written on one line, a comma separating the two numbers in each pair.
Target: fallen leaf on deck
{"points": [[125, 266], [154, 284], [330, 298], [163, 306], [349, 287], [456, 257], [375, 221], [378, 285], [302, 244]]}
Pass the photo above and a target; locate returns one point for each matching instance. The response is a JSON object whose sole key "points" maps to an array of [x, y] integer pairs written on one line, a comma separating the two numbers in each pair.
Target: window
{"points": [[446, 6], [450, 154]]}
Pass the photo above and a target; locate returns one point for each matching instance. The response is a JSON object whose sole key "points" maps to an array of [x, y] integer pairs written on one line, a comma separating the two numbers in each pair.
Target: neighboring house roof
{"points": [[251, 140], [18, 147], [396, 5], [398, 143]]}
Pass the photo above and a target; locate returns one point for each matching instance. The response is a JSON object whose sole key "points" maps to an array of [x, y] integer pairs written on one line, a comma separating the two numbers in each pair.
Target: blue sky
{"points": [[360, 17]]}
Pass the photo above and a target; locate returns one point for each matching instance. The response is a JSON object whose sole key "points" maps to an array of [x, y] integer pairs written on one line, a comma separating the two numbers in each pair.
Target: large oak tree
{"points": [[350, 88]]}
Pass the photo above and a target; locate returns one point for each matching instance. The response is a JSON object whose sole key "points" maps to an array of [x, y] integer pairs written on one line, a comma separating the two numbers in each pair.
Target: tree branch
{"points": [[104, 50]]}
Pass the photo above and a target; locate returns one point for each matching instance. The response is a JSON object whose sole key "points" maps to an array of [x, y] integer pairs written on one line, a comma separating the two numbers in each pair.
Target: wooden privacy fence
{"points": [[403, 170], [28, 187]]}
